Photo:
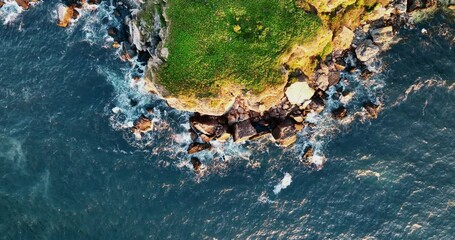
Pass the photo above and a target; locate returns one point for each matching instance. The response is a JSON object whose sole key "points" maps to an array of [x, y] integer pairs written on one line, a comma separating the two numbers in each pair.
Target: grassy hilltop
{"points": [[215, 45], [217, 41]]}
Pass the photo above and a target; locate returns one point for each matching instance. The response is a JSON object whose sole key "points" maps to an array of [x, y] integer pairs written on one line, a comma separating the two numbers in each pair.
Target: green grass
{"points": [[213, 43]]}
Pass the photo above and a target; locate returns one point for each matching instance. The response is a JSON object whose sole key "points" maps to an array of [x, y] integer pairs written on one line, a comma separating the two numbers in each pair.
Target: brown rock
{"points": [[25, 4], [196, 164], [308, 154], [285, 133], [243, 131], [224, 137], [206, 124], [205, 138], [372, 109], [143, 124], [299, 127], [65, 14], [198, 147], [334, 78], [1, 4], [340, 113]]}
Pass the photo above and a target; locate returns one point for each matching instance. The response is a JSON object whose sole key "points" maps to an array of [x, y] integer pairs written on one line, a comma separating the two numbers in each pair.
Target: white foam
{"points": [[284, 183], [10, 12]]}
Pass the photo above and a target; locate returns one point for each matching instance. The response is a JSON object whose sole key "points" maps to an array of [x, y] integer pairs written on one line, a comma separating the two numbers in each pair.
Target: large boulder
{"points": [[64, 15], [285, 133], [207, 125], [243, 131], [366, 50], [198, 147], [343, 39], [382, 35], [299, 92]]}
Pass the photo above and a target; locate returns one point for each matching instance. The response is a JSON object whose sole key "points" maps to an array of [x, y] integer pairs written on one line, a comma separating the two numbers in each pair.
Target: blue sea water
{"points": [[71, 169]]}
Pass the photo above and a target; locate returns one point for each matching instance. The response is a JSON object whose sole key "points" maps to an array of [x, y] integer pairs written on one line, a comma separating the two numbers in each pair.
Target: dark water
{"points": [[69, 168]]}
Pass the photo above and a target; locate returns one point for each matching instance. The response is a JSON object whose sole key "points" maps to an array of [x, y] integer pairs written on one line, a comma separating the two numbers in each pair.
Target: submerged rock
{"points": [[285, 133], [372, 109], [243, 131], [340, 113], [196, 164], [198, 147], [299, 92], [143, 124], [366, 50]]}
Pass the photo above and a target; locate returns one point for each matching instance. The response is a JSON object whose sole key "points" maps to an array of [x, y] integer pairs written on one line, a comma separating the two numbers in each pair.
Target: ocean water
{"points": [[71, 169]]}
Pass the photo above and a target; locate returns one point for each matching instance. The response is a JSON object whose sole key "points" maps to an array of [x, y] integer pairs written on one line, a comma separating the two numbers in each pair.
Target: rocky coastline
{"points": [[303, 94], [354, 51]]}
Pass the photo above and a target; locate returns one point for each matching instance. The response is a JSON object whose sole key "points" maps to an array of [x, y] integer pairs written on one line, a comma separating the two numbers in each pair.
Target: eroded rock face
{"points": [[299, 92], [366, 50], [285, 133], [243, 131]]}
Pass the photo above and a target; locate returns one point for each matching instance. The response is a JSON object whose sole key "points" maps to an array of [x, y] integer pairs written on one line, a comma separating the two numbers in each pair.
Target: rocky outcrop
{"points": [[343, 39], [366, 50], [285, 133], [372, 109], [420, 4], [382, 35], [25, 4], [299, 92], [243, 131], [196, 164], [198, 147]]}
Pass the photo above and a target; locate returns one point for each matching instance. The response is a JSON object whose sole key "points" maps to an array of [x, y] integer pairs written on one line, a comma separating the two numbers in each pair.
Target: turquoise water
{"points": [[71, 169]]}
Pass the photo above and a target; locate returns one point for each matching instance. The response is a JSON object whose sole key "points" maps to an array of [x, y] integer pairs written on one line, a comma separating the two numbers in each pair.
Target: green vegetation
{"points": [[214, 43]]}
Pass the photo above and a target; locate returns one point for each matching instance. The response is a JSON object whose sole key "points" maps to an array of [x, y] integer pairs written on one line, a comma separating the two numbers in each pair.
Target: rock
{"points": [[205, 138], [206, 125], [343, 39], [196, 164], [299, 92], [451, 7], [143, 124], [135, 36], [372, 109], [285, 133], [25, 4], [366, 50], [382, 35], [198, 147], [334, 78], [76, 14], [298, 119], [64, 15], [1, 4], [401, 6], [420, 4], [322, 81], [243, 131], [224, 137], [112, 31], [299, 127], [340, 113]]}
